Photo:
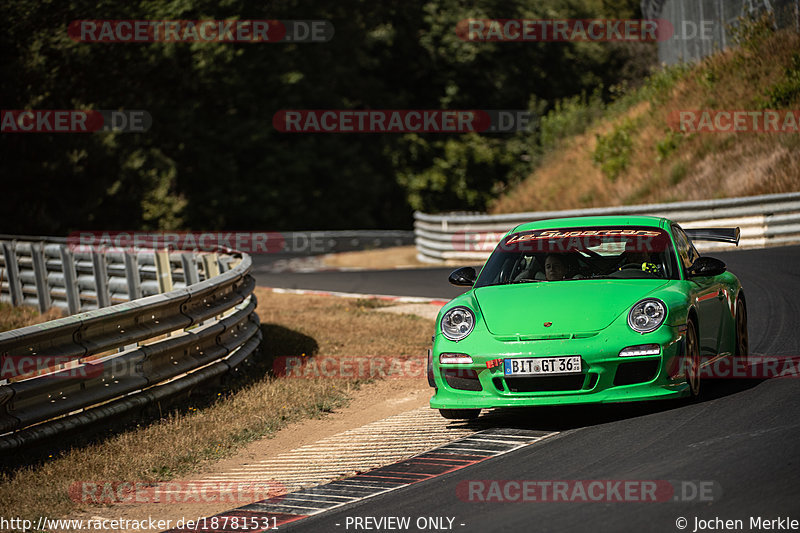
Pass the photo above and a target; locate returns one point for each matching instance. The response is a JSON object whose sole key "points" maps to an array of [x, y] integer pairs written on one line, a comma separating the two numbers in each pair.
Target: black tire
{"points": [[460, 414], [742, 339], [692, 360]]}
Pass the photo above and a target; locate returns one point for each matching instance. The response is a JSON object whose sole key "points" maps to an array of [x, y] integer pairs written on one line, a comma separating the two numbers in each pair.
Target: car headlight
{"points": [[642, 349], [647, 315], [457, 323]]}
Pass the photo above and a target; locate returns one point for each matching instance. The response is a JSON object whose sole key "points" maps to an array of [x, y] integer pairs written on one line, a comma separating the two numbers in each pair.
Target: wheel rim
{"points": [[741, 330], [693, 356]]}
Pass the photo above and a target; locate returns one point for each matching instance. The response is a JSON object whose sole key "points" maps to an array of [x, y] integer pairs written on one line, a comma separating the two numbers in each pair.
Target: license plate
{"points": [[533, 366]]}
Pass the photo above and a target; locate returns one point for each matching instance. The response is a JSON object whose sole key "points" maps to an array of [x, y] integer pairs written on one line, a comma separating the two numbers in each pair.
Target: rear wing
{"points": [[730, 235]]}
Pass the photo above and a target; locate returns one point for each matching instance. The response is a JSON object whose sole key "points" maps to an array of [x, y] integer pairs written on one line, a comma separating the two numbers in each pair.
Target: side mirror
{"points": [[706, 266], [463, 277]]}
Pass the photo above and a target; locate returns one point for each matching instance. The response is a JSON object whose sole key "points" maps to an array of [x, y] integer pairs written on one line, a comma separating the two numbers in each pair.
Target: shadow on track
{"points": [[562, 418]]}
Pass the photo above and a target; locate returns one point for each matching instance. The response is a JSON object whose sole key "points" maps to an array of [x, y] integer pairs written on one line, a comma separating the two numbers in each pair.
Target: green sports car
{"points": [[587, 310]]}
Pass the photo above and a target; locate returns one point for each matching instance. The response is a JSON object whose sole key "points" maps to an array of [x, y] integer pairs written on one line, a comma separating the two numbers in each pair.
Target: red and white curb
{"points": [[456, 455], [357, 450]]}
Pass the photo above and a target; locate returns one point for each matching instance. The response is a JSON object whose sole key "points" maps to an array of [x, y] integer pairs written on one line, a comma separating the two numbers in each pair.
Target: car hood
{"points": [[571, 306]]}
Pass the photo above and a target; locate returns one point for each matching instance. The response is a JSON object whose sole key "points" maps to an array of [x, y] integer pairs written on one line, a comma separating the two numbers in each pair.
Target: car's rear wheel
{"points": [[692, 360], [742, 342], [460, 414]]}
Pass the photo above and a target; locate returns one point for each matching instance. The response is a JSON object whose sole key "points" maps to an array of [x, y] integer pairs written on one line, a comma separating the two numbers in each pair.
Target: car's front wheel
{"points": [[460, 414], [692, 359]]}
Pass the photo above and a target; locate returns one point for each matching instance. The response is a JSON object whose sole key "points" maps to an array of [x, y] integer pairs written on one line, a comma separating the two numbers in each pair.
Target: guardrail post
{"points": [[163, 270], [70, 280], [190, 274], [132, 275], [210, 265], [12, 272], [224, 264], [40, 276], [101, 277]]}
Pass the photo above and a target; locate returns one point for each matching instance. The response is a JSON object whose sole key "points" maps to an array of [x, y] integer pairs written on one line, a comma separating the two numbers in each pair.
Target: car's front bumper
{"points": [[605, 375]]}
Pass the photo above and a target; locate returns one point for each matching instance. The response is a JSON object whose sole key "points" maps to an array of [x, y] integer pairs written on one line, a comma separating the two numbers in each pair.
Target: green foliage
{"points": [[570, 116], [668, 144], [613, 151], [655, 88], [786, 92], [212, 159], [458, 173], [678, 171], [706, 78], [750, 32]]}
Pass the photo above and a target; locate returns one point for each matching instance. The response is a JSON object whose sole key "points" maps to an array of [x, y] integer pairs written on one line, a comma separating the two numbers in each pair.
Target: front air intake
{"points": [[459, 379], [636, 372]]}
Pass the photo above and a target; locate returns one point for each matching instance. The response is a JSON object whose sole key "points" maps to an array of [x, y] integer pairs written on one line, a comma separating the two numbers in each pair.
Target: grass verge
{"points": [[18, 317]]}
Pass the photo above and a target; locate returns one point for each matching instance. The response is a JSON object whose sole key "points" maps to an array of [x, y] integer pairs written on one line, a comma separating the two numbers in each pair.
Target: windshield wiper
{"points": [[526, 280]]}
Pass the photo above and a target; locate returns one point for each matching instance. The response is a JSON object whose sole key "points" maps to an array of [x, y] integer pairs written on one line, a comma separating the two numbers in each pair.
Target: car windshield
{"points": [[571, 254]]}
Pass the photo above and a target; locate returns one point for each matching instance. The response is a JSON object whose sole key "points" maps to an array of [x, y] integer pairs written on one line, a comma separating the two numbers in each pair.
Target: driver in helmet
{"points": [[636, 257]]}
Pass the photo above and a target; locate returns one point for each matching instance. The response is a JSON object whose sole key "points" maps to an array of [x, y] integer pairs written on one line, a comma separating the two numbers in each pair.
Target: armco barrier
{"points": [[48, 272], [112, 358], [768, 220]]}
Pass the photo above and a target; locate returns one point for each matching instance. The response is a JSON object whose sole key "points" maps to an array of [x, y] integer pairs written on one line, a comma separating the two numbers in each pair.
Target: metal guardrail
{"points": [[768, 220], [102, 361], [309, 243], [45, 272]]}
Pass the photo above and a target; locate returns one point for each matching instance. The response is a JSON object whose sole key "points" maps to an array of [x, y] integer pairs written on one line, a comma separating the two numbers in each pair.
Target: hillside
{"points": [[630, 155]]}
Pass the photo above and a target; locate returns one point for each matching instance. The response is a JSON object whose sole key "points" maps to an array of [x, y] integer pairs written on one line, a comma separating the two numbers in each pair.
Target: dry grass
{"points": [[385, 258], [186, 440], [568, 178], [703, 166], [19, 317]]}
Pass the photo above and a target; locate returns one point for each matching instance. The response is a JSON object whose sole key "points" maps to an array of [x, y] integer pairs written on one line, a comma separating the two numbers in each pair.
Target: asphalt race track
{"points": [[742, 438], [424, 282]]}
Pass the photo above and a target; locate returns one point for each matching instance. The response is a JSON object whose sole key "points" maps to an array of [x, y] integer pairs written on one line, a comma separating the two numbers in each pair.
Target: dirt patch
{"points": [[385, 258], [429, 311]]}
